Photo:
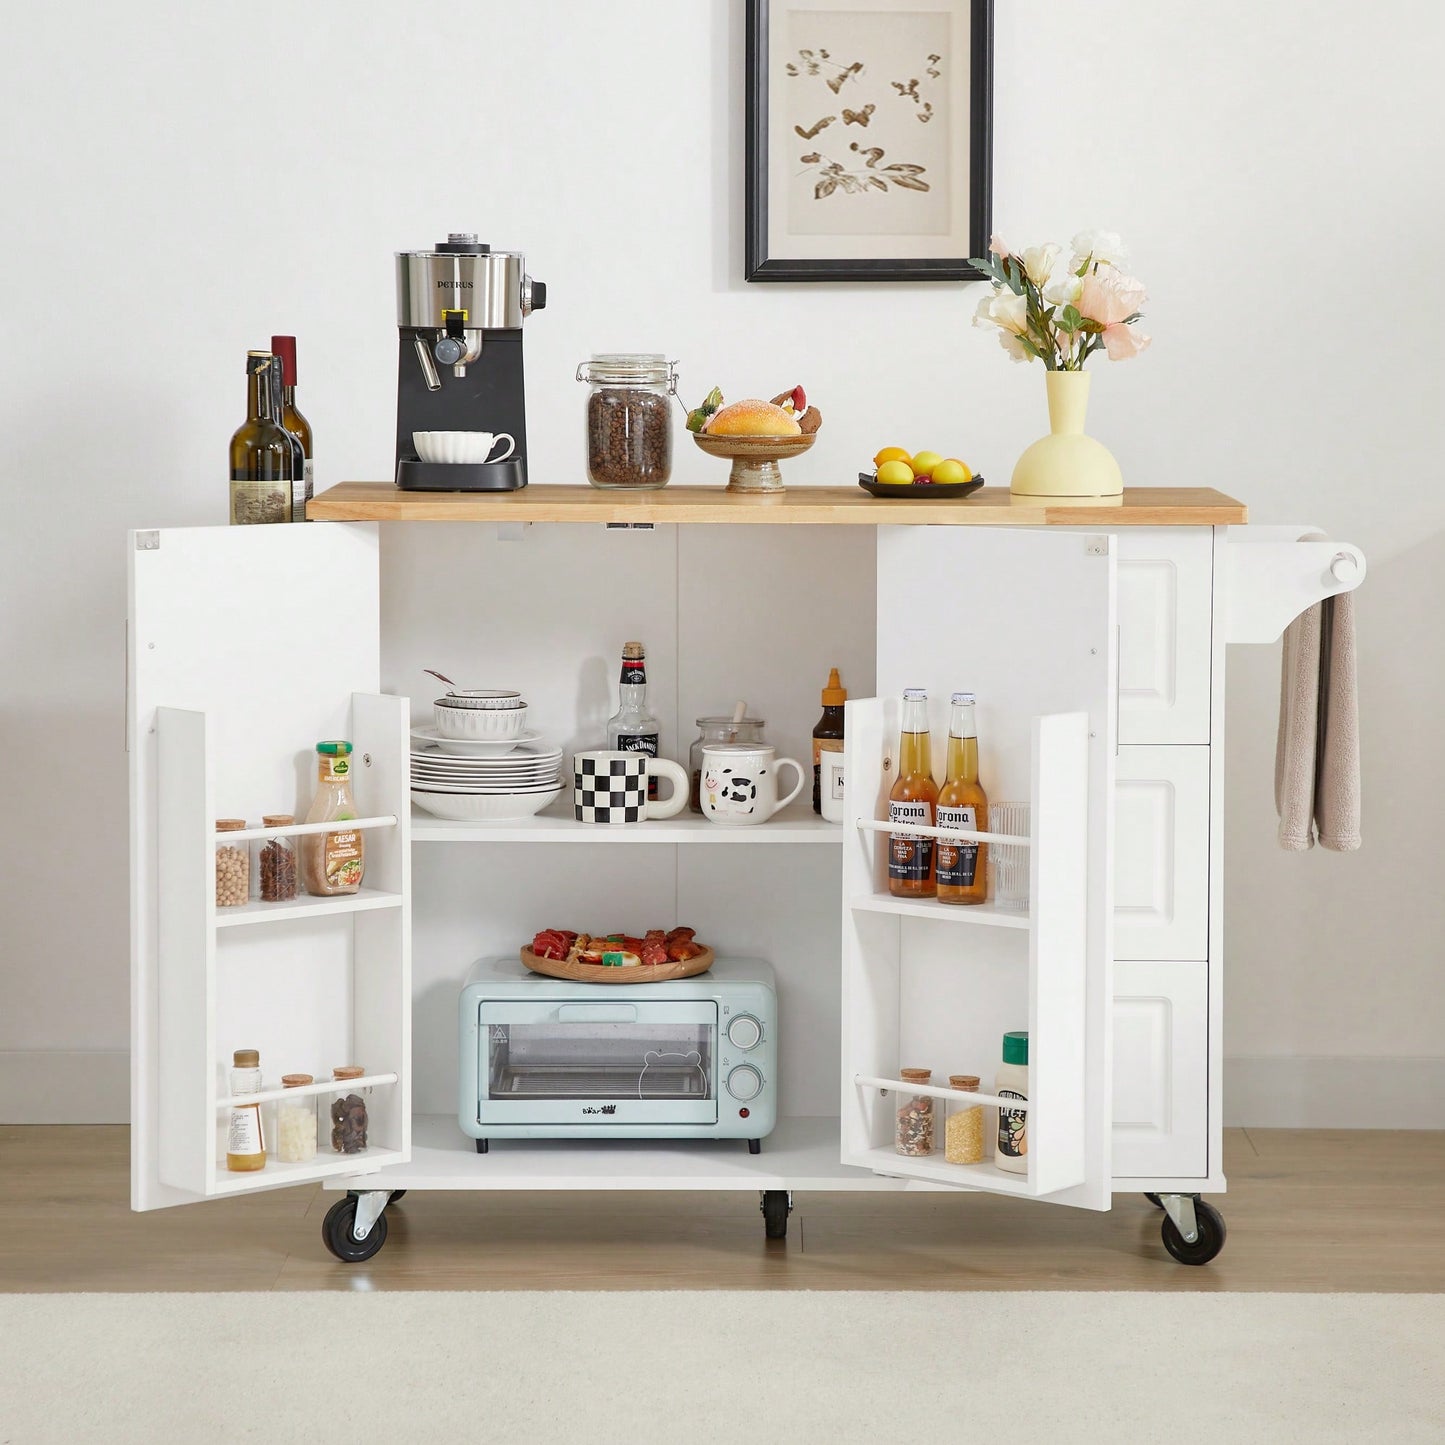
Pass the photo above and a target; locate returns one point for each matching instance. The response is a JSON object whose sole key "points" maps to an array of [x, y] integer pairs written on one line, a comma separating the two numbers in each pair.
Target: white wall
{"points": [[180, 182]]}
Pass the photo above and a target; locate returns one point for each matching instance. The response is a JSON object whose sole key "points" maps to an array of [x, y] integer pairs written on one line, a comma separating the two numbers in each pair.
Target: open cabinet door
{"points": [[1025, 619], [247, 646]]}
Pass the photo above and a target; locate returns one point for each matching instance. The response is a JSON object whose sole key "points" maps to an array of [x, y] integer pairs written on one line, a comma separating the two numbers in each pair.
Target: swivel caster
{"points": [[1186, 1215], [397, 1195], [362, 1213], [776, 1205], [1154, 1199]]}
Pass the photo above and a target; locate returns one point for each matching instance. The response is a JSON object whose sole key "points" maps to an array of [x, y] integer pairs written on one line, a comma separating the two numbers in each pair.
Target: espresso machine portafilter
{"points": [[459, 314]]}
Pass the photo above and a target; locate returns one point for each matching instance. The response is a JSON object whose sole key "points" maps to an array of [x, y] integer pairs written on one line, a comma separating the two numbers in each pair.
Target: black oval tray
{"points": [[937, 490]]}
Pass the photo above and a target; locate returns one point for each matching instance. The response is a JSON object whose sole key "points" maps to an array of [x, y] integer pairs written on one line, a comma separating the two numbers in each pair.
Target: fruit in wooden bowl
{"points": [[755, 435]]}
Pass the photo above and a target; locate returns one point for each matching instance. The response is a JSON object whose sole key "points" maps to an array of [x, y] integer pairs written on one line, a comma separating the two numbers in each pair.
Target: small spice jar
{"points": [[276, 861], [629, 419], [711, 732], [914, 1135], [347, 1111], [295, 1123], [963, 1132], [233, 867]]}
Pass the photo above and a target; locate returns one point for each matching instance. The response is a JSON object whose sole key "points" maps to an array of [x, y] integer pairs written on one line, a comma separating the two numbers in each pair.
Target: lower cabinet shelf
{"points": [[987, 914], [967, 1176], [277, 1175], [362, 901]]}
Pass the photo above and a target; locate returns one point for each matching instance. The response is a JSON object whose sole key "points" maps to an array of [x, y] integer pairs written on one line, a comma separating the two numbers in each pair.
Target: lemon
{"points": [[924, 463], [951, 471], [890, 454], [895, 473]]}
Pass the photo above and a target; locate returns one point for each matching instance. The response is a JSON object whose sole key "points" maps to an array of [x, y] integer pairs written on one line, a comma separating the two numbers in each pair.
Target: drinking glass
{"points": [[1009, 861]]}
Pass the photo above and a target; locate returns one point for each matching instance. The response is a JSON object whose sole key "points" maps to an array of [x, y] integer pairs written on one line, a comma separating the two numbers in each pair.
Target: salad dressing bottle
{"points": [[333, 863]]}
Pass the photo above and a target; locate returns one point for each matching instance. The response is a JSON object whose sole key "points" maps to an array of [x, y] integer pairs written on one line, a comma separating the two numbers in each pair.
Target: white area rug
{"points": [[687, 1368]]}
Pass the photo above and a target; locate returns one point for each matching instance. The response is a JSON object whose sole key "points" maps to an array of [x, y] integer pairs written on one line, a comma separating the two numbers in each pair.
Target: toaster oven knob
{"points": [[744, 1082], [745, 1032]]}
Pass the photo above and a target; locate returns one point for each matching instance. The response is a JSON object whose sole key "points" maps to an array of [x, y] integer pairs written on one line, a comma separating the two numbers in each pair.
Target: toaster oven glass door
{"points": [[583, 1063]]}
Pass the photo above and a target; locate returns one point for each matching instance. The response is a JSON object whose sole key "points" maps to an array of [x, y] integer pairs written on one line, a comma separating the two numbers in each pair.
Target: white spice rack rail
{"points": [[304, 1091], [301, 830], [937, 1091]]}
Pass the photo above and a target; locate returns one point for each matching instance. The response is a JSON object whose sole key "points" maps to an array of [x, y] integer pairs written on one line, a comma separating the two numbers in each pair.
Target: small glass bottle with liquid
{"points": [[245, 1137], [962, 876], [913, 799]]}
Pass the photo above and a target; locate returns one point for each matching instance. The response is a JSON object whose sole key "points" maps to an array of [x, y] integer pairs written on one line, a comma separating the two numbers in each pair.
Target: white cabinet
{"points": [[1161, 866], [1161, 1070]]}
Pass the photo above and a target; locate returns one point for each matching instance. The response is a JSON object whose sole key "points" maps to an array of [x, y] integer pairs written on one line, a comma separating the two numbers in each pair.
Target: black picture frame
{"points": [[759, 266]]}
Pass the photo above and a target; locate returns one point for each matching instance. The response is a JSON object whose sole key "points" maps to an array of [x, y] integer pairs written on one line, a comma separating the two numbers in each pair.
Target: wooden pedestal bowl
{"points": [[755, 459]]}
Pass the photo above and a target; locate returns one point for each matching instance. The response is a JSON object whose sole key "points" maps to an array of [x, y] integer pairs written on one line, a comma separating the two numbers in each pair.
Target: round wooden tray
{"points": [[595, 973]]}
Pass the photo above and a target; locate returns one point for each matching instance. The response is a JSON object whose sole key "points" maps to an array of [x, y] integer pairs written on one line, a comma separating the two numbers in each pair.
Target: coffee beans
{"points": [[629, 437]]}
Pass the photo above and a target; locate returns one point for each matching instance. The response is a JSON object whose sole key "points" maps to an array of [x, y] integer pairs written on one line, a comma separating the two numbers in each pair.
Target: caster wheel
{"points": [[336, 1232], [776, 1210], [1154, 1199], [1211, 1238], [397, 1195]]}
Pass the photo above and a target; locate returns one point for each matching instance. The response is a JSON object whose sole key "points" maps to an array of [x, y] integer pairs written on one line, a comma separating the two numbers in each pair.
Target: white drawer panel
{"points": [[1161, 853], [1161, 1070], [1165, 602]]}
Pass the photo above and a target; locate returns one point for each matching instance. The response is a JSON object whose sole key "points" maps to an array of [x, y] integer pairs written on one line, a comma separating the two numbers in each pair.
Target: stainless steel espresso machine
{"points": [[459, 311]]}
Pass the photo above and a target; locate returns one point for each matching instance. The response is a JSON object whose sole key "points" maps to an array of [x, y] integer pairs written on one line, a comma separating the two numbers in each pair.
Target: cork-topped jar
{"points": [[914, 1133], [347, 1111], [295, 1122], [233, 867], [963, 1133]]}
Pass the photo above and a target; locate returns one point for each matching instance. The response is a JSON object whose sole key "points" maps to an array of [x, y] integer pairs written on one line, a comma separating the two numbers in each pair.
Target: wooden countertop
{"points": [[831, 506]]}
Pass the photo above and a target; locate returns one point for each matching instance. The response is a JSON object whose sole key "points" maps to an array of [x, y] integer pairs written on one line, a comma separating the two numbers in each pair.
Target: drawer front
{"points": [[1161, 1070], [1165, 603], [1161, 853]]}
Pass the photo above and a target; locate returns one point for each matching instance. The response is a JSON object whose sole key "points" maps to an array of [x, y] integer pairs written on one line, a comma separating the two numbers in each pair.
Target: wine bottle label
{"points": [[641, 743], [957, 862], [1013, 1138], [910, 858]]}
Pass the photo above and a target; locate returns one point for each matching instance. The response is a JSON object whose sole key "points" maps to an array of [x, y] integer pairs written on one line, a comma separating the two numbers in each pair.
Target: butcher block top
{"points": [[828, 506]]}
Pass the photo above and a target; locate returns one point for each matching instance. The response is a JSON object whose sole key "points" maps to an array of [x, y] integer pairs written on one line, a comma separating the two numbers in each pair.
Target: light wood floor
{"points": [[1306, 1210]]}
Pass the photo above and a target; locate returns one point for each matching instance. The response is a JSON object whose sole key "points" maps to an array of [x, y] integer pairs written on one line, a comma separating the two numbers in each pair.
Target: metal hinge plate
{"points": [[148, 541]]}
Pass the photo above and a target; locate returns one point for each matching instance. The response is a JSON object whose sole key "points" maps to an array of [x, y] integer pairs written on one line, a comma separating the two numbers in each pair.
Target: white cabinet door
{"points": [[1161, 859], [1026, 620], [1161, 1070], [1165, 623], [247, 645]]}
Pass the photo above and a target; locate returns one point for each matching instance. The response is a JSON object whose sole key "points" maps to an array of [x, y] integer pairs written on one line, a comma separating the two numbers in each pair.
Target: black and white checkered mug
{"points": [[610, 787]]}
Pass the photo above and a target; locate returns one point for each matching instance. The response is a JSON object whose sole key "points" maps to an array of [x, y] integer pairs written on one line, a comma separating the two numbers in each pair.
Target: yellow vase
{"points": [[1066, 463]]}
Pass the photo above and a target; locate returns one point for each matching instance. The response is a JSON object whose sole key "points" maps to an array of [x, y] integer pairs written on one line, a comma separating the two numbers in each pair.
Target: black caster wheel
{"points": [[776, 1209], [336, 1232], [1154, 1199], [1210, 1223], [397, 1195]]}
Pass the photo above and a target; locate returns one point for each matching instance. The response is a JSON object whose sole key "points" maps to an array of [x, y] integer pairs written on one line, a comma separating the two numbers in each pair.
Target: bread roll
{"points": [[752, 418]]}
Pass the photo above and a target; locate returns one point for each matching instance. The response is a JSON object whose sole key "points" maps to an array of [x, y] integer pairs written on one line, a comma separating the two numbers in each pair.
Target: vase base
{"points": [[1068, 464]]}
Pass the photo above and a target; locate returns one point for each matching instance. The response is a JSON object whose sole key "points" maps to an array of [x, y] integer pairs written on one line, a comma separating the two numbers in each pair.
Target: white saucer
{"points": [[473, 747]]}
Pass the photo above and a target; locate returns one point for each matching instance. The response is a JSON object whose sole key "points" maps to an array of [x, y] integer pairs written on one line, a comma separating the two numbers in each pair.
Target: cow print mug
{"points": [[740, 783], [611, 787]]}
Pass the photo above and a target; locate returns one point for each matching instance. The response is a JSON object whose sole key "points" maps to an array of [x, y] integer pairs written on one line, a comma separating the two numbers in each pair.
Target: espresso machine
{"points": [[459, 314]]}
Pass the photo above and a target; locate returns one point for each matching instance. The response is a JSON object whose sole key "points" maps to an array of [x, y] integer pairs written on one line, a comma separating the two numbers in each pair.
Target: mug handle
{"points": [[797, 767], [502, 436], [665, 768]]}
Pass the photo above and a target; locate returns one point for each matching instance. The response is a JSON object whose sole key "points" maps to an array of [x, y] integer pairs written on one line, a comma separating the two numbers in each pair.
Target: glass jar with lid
{"points": [[233, 866], [914, 1132], [274, 864], [295, 1122], [347, 1110], [963, 1131], [711, 731], [629, 419]]}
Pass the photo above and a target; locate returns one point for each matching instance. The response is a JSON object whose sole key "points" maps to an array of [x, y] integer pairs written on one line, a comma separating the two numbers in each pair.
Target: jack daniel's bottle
{"points": [[632, 728]]}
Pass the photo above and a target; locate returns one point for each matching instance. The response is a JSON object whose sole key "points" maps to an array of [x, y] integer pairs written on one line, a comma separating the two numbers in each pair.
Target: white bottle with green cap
{"points": [[1012, 1082]]}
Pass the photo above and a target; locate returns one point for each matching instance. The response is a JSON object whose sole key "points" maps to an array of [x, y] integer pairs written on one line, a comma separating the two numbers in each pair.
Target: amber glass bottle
{"points": [[962, 877], [913, 800]]}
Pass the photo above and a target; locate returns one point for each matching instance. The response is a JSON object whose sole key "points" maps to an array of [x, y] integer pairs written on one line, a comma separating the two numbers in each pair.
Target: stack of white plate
{"points": [[516, 784]]}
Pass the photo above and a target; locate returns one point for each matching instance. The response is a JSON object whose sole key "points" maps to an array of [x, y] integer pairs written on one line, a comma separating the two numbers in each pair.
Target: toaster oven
{"points": [[545, 1058]]}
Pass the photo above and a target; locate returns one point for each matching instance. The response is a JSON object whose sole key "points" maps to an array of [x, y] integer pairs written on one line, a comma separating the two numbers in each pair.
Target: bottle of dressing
{"points": [[333, 863]]}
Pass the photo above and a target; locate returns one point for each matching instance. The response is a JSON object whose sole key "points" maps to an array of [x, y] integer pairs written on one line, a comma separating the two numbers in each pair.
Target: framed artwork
{"points": [[869, 139]]}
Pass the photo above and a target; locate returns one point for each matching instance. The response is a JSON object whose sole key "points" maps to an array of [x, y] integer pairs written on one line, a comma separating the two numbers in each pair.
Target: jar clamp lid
{"points": [[629, 368]]}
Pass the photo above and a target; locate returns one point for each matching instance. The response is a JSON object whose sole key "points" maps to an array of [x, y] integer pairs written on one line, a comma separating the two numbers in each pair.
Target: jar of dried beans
{"points": [[233, 866], [347, 1113], [274, 863], [914, 1135], [629, 419]]}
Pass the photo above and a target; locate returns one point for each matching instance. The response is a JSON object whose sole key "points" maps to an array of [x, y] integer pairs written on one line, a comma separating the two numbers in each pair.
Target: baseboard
{"points": [[1334, 1093], [64, 1086]]}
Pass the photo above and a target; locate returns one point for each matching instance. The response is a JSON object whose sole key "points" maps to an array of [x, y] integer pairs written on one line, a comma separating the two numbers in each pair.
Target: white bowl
{"points": [[477, 724], [481, 808], [482, 697], [454, 446]]}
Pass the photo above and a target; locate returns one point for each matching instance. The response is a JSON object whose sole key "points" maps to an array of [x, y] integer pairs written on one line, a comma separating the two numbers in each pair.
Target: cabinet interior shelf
{"points": [[937, 1091], [362, 901], [797, 823], [989, 915], [937, 1169], [304, 1091], [276, 1173]]}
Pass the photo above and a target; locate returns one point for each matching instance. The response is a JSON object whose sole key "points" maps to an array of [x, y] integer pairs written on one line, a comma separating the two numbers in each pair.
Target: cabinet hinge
{"points": [[148, 541], [1096, 546]]}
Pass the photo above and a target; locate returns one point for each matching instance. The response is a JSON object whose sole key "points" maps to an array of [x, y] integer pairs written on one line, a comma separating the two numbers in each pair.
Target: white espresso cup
{"points": [[611, 787], [461, 447], [739, 783]]}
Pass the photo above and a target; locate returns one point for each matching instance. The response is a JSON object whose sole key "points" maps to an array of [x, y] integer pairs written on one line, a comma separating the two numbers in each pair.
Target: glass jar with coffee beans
{"points": [[629, 419]]}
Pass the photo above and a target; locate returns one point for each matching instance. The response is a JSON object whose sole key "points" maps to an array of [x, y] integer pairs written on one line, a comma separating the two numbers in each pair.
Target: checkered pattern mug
{"points": [[609, 787]]}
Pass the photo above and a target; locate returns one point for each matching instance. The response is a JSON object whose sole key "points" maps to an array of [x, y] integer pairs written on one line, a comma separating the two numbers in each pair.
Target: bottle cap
{"points": [[633, 649], [835, 694], [295, 1081], [964, 697], [915, 1076], [284, 349], [1016, 1048], [967, 1082], [337, 748], [246, 1058], [915, 694], [230, 825], [277, 820], [347, 1071]]}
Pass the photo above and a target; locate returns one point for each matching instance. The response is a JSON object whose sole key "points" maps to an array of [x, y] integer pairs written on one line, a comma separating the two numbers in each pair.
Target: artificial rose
{"points": [[1122, 342], [1004, 309], [1105, 246], [1062, 288], [1108, 296], [1039, 262], [1011, 344], [997, 245]]}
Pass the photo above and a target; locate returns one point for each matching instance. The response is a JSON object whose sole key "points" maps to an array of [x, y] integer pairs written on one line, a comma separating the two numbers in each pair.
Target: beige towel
{"points": [[1317, 753]]}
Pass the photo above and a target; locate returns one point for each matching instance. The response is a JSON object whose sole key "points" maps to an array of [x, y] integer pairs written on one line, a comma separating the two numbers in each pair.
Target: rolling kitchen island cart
{"points": [[1094, 634]]}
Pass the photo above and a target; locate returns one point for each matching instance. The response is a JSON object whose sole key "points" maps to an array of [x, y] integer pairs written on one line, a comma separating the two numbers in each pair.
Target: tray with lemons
{"points": [[920, 474]]}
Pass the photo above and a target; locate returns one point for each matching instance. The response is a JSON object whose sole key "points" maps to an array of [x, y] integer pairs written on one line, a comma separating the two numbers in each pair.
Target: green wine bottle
{"points": [[263, 452]]}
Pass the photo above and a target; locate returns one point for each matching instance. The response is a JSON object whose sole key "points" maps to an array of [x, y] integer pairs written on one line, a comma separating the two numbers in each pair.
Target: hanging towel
{"points": [[1317, 752]]}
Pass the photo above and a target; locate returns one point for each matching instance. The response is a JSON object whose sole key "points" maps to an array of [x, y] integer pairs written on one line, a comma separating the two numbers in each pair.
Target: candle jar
{"points": [[914, 1133], [963, 1131], [347, 1111], [711, 732], [295, 1123]]}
